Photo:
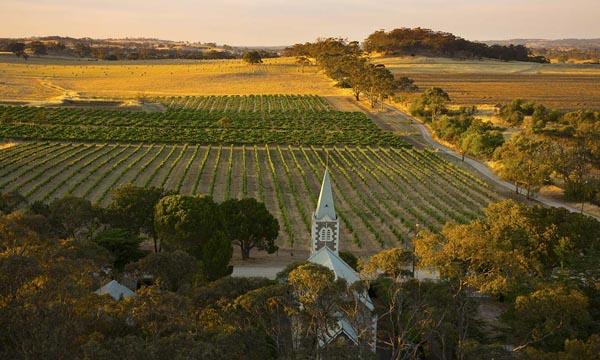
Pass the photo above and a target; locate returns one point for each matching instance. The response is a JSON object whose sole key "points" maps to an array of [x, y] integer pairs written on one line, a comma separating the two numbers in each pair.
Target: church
{"points": [[324, 249]]}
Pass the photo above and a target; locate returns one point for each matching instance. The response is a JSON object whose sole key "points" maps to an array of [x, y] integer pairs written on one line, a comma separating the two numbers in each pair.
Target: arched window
{"points": [[326, 234]]}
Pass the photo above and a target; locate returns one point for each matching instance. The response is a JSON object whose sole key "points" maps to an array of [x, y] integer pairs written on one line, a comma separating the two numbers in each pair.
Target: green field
{"points": [[271, 119], [215, 145], [382, 193]]}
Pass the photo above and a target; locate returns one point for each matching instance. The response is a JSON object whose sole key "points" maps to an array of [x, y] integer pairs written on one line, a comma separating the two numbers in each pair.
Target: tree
{"points": [[423, 319], [390, 262], [252, 57], [303, 61], [545, 317], [124, 247], [249, 225], [319, 299], [512, 248], [39, 48], [267, 308], [70, 214], [17, 48], [525, 161], [132, 208], [171, 270], [480, 142], [11, 201], [186, 222], [356, 69], [216, 255], [381, 83], [435, 100], [350, 259], [19, 231]]}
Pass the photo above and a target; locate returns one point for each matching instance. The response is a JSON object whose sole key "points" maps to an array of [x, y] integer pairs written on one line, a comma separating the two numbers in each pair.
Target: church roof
{"points": [[325, 206], [342, 326], [328, 258], [115, 290]]}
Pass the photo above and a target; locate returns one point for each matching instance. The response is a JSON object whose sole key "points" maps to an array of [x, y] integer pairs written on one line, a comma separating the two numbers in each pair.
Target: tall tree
{"points": [[249, 225], [186, 222], [525, 162], [132, 208], [252, 57]]}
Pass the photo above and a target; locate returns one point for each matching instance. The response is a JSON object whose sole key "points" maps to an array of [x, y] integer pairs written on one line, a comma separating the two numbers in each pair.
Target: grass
{"points": [[44, 79]]}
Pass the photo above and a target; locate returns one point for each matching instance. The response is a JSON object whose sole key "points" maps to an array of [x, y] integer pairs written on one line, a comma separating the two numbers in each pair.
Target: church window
{"points": [[326, 234]]}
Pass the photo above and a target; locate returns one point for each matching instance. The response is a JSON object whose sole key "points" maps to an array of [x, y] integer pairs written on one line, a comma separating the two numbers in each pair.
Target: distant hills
{"points": [[562, 44]]}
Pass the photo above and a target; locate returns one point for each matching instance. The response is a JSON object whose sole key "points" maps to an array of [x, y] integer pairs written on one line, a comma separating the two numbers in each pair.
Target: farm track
{"points": [[381, 193]]}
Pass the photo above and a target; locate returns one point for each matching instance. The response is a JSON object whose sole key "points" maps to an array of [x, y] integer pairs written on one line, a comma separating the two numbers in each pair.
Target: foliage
{"points": [[172, 271], [132, 208], [350, 259], [345, 63], [512, 248], [71, 214], [248, 224], [252, 57], [11, 201], [124, 246], [406, 41], [547, 316], [390, 262], [430, 104], [525, 162]]}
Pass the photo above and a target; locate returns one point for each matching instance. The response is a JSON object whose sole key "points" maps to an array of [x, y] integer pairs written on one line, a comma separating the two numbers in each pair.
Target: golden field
{"points": [[43, 79], [477, 82]]}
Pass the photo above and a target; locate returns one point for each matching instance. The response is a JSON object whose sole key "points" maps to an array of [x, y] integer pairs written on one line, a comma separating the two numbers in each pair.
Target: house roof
{"points": [[325, 206], [115, 290]]}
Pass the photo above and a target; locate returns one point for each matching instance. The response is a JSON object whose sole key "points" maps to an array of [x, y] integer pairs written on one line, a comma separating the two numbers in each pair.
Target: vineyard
{"points": [[266, 119], [382, 193]]}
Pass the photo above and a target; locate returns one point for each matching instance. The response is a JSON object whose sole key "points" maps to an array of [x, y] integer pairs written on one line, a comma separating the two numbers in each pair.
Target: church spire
{"points": [[325, 206]]}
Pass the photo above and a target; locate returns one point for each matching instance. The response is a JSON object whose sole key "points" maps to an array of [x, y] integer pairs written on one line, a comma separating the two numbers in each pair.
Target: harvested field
{"points": [[382, 193], [43, 79], [566, 92], [472, 82]]}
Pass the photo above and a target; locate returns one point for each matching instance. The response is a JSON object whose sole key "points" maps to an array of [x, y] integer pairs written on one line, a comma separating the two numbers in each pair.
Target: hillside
{"points": [[581, 44]]}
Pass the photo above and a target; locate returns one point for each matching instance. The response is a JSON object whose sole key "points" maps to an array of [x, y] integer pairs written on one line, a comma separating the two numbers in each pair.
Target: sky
{"points": [[284, 22]]}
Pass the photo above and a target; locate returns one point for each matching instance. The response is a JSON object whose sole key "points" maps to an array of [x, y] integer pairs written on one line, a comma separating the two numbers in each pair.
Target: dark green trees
{"points": [[252, 57], [195, 225], [132, 208], [249, 225]]}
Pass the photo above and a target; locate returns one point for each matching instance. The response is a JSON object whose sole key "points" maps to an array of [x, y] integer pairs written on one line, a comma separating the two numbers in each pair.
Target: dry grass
{"points": [[7, 145], [563, 86], [43, 79]]}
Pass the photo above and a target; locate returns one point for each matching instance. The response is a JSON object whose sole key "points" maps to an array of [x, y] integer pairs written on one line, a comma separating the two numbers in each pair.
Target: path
{"points": [[393, 119]]}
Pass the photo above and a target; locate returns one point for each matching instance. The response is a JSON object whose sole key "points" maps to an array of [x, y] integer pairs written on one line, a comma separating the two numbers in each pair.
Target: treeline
{"points": [[347, 64], [588, 56], [419, 41], [128, 50], [553, 145]]}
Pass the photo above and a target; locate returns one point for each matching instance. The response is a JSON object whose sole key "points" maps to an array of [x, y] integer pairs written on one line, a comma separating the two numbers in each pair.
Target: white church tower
{"points": [[325, 230]]}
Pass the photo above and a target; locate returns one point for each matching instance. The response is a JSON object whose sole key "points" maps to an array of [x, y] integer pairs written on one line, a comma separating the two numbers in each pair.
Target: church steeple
{"points": [[325, 223], [325, 205]]}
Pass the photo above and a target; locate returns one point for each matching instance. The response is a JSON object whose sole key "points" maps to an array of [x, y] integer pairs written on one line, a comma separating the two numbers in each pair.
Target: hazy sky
{"points": [[282, 22]]}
